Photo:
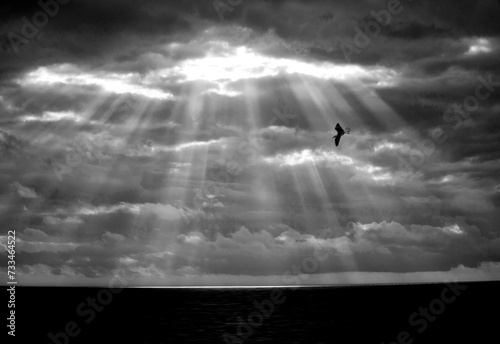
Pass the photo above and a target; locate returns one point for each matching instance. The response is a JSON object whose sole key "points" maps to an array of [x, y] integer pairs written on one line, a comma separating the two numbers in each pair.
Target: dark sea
{"points": [[428, 313]]}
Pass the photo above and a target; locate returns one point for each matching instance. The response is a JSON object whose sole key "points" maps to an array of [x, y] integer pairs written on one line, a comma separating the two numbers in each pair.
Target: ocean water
{"points": [[344, 314]]}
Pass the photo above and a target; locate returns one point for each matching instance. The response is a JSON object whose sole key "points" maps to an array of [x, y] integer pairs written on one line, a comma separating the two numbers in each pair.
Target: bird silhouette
{"points": [[340, 133]]}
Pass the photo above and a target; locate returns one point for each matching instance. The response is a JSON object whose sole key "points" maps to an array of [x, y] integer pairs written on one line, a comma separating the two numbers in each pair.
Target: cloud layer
{"points": [[158, 142]]}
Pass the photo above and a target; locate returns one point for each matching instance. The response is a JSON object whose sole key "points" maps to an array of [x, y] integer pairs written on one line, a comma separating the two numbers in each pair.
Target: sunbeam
{"points": [[206, 151]]}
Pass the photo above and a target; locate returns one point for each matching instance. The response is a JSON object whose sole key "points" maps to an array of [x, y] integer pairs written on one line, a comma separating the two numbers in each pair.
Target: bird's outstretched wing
{"points": [[339, 129], [340, 132]]}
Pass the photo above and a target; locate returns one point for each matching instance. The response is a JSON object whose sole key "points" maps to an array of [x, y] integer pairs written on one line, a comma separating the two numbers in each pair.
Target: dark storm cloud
{"points": [[91, 32]]}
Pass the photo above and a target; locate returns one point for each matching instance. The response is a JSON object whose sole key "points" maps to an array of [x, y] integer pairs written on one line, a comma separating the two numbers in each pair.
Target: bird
{"points": [[340, 132]]}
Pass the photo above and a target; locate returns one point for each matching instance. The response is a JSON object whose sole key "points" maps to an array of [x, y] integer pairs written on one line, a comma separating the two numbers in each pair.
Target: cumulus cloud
{"points": [[113, 238], [24, 192]]}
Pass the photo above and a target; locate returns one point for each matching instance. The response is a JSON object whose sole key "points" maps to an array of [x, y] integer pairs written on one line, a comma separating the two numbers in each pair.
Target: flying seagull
{"points": [[340, 132]]}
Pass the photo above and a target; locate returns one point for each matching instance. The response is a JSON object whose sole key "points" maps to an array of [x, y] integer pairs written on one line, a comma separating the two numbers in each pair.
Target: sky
{"points": [[190, 142]]}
